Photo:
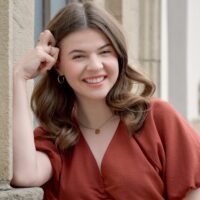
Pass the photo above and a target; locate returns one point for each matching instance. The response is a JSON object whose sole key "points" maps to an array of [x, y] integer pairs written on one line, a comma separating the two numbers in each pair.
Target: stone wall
{"points": [[16, 36]]}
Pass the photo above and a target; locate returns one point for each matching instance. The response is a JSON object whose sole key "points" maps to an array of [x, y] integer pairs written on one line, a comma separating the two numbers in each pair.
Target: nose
{"points": [[94, 63]]}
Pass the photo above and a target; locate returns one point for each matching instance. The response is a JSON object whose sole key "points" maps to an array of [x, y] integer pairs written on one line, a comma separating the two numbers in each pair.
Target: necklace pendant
{"points": [[97, 131]]}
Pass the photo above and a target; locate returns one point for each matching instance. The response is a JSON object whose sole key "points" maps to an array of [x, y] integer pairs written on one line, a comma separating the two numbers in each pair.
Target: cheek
{"points": [[116, 72], [71, 75], [115, 68], [67, 69]]}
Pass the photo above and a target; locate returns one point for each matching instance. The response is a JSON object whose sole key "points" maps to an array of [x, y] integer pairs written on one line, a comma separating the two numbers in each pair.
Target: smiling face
{"points": [[89, 63]]}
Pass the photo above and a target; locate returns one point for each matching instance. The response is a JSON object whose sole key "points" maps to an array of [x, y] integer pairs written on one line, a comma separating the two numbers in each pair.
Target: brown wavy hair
{"points": [[53, 103]]}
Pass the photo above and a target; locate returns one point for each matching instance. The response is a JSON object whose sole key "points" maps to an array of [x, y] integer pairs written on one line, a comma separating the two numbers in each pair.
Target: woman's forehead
{"points": [[84, 39]]}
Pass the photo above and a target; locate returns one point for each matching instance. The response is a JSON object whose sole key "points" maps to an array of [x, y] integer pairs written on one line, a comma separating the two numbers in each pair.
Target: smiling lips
{"points": [[94, 80]]}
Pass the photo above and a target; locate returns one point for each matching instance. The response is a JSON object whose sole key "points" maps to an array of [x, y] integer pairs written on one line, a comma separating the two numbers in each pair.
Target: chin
{"points": [[98, 95]]}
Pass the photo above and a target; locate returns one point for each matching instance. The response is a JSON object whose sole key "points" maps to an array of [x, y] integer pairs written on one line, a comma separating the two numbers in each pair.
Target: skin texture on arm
{"points": [[30, 167], [193, 195]]}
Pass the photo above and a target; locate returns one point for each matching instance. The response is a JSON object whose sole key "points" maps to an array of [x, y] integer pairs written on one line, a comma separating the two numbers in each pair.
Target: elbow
{"points": [[23, 180]]}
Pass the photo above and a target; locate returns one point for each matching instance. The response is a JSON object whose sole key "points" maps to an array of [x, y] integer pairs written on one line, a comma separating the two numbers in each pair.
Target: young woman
{"points": [[100, 134]]}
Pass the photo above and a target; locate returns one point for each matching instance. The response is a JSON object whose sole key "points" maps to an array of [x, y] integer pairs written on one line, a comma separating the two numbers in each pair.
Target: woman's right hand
{"points": [[40, 59]]}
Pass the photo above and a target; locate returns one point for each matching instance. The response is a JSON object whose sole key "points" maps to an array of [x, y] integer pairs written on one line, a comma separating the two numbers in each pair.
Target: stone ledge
{"points": [[22, 194]]}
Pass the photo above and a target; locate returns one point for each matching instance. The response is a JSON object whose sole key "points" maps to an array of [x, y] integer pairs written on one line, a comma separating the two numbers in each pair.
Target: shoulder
{"points": [[40, 134], [163, 112], [167, 121], [43, 140], [158, 105], [39, 131]]}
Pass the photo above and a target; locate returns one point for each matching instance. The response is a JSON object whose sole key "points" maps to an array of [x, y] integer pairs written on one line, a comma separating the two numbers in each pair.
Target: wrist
{"points": [[17, 76]]}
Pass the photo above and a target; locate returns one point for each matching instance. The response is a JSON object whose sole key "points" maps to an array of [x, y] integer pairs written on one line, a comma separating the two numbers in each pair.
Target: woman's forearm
{"points": [[24, 152]]}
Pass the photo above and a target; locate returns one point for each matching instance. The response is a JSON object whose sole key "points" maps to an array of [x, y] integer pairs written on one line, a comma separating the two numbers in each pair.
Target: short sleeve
{"points": [[181, 144], [47, 146]]}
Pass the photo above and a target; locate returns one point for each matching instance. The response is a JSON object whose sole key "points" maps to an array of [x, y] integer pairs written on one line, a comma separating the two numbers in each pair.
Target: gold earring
{"points": [[61, 79]]}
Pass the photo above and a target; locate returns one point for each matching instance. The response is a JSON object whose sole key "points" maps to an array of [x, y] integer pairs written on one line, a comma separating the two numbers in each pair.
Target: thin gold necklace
{"points": [[97, 130]]}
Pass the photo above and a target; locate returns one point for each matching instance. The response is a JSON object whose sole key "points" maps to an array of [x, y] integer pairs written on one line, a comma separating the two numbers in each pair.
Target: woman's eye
{"points": [[106, 52], [77, 57]]}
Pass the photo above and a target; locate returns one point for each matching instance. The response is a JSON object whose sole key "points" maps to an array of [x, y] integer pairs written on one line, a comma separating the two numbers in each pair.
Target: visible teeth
{"points": [[94, 80]]}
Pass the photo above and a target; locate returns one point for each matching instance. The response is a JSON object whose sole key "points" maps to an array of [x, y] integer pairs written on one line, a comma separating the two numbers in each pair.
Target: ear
{"points": [[58, 67]]}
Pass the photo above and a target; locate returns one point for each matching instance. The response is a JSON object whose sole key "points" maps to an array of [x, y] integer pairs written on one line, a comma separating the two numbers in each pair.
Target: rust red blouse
{"points": [[161, 162]]}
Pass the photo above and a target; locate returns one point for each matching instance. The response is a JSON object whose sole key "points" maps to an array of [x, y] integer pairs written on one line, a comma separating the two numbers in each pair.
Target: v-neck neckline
{"points": [[100, 169]]}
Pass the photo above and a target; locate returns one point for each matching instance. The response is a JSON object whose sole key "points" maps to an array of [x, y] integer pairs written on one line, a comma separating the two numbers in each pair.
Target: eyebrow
{"points": [[82, 51]]}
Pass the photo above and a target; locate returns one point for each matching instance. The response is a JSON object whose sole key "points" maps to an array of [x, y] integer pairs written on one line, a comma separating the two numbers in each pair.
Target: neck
{"points": [[86, 110]]}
